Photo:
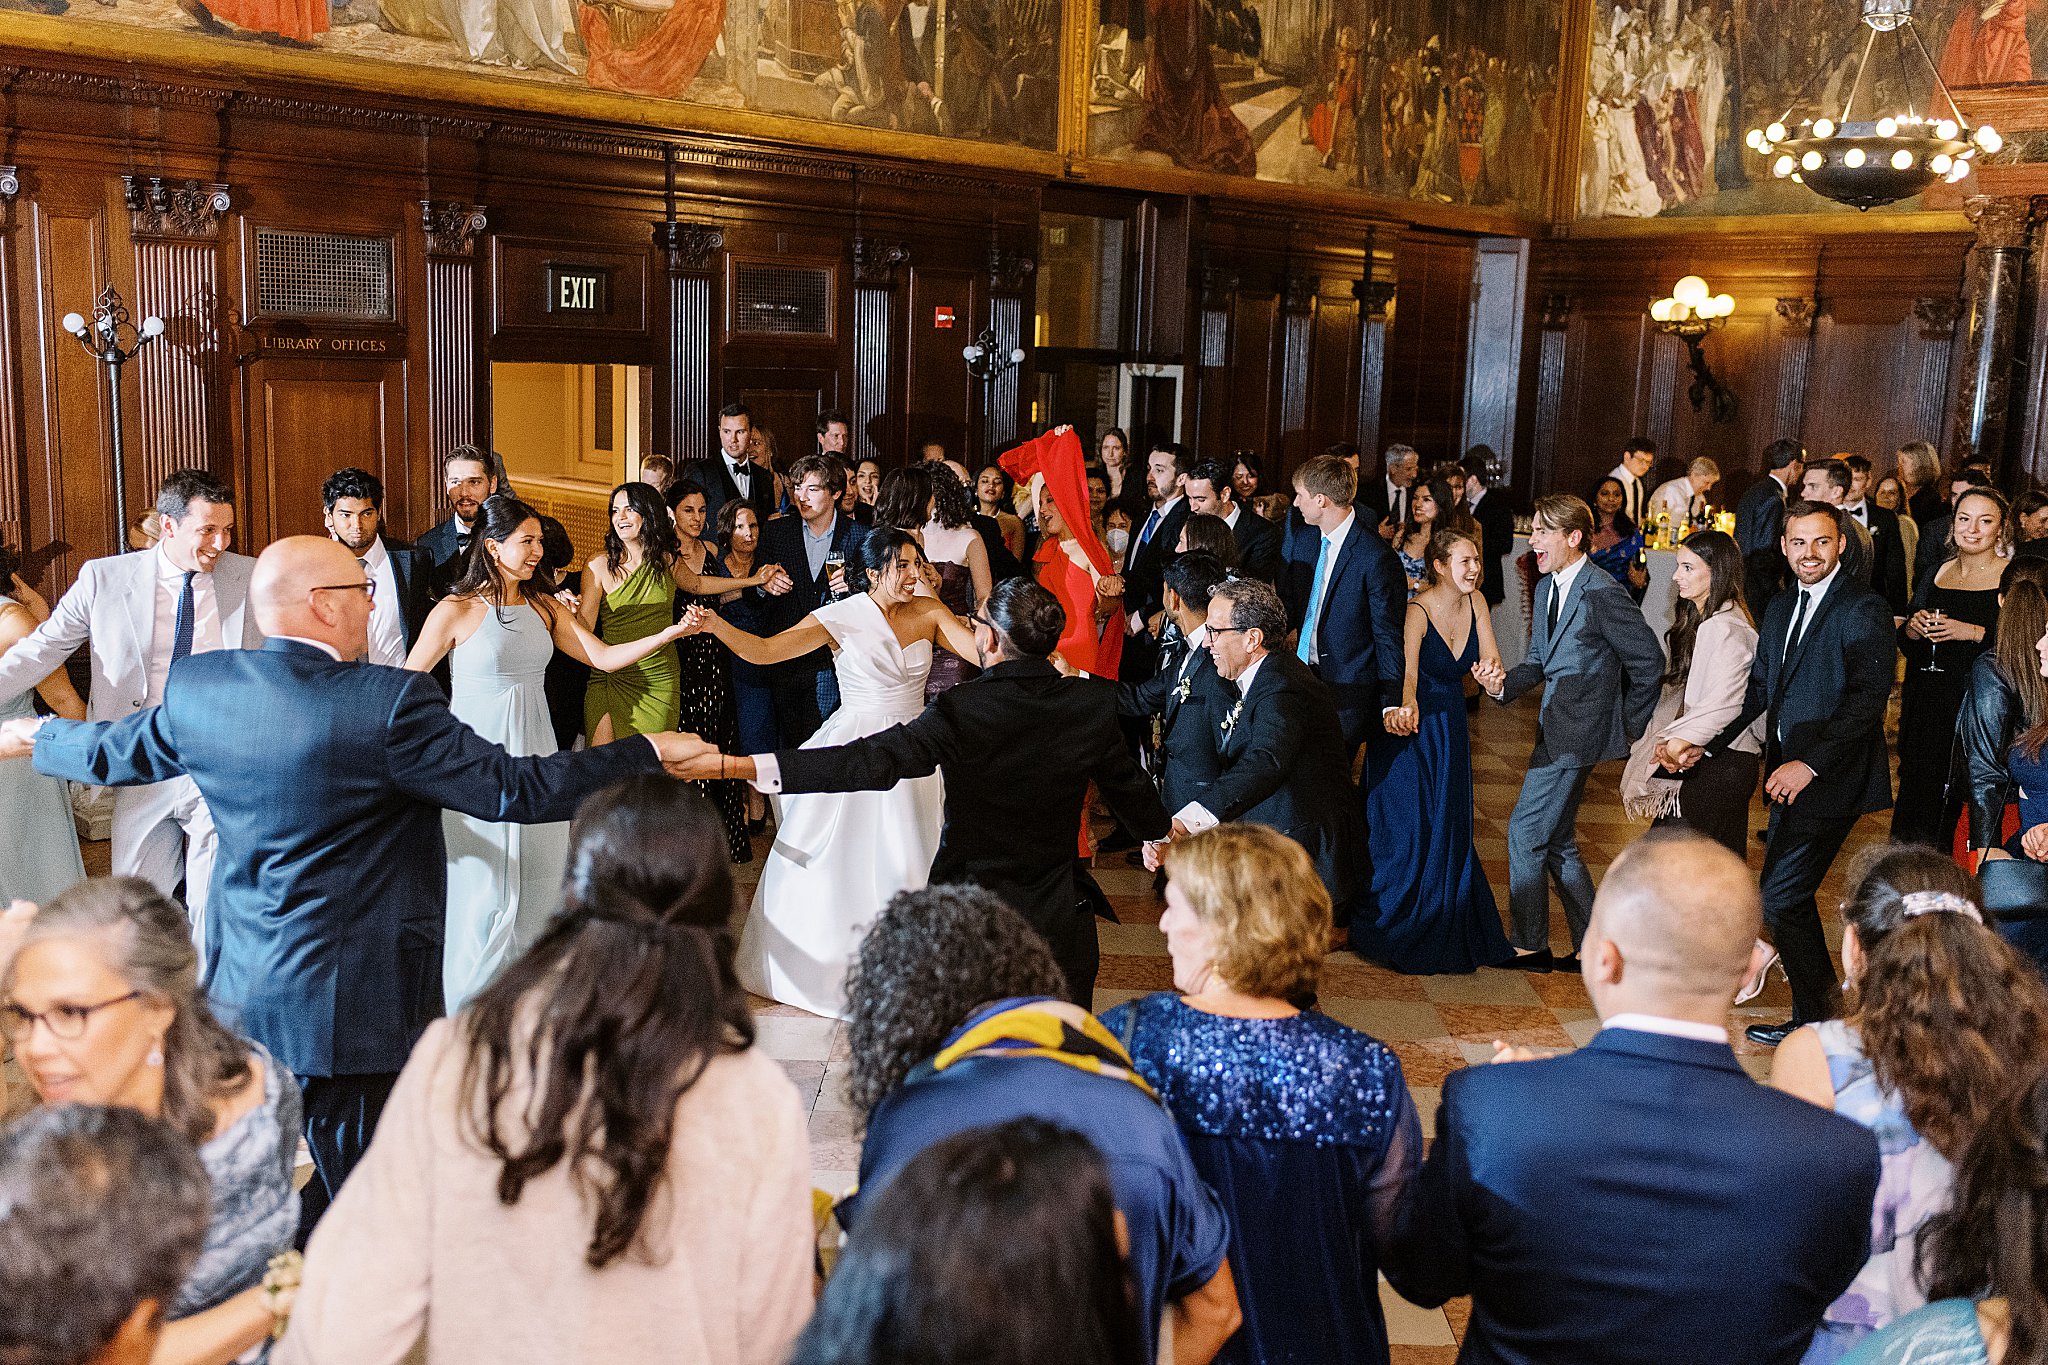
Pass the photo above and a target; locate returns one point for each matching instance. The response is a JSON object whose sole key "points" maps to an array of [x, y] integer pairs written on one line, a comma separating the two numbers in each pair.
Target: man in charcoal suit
{"points": [[1601, 669], [1018, 746], [1186, 696], [1279, 744], [1152, 544], [1821, 680], [1641, 1198], [1760, 523], [1258, 540], [327, 778]]}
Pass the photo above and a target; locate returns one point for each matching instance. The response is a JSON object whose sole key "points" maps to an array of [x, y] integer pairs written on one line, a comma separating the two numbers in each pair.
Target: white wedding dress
{"points": [[839, 857]]}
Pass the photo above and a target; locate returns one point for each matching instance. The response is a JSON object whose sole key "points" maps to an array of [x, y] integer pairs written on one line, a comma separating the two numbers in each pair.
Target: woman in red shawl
{"points": [[1072, 565]]}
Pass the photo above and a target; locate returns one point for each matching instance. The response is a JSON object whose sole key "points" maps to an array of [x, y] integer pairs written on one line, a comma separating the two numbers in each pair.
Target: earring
{"points": [[156, 1055]]}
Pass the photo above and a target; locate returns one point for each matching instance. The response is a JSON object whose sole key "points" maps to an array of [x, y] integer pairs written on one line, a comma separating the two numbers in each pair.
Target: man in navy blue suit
{"points": [[468, 476], [1641, 1198], [326, 779], [1347, 597], [820, 549]]}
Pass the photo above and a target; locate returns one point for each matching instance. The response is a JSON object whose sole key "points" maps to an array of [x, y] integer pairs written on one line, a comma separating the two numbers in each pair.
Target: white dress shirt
{"points": [[329, 650], [170, 584], [1670, 1028], [1859, 509], [1334, 538], [742, 472], [1194, 816], [387, 626], [1675, 499], [1561, 583], [1633, 494], [1236, 511]]}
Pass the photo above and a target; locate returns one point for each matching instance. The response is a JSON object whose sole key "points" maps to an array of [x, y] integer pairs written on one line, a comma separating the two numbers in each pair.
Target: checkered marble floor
{"points": [[1435, 1024]]}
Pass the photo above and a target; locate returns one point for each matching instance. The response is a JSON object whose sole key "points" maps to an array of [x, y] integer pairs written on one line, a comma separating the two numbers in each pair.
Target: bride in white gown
{"points": [[839, 857]]}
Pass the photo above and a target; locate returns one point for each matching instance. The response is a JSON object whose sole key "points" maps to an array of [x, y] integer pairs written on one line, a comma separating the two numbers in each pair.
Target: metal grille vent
{"points": [[780, 300], [323, 275]]}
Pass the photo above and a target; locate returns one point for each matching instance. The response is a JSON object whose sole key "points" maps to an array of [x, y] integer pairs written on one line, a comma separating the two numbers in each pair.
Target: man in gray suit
{"points": [[143, 612], [1601, 668]]}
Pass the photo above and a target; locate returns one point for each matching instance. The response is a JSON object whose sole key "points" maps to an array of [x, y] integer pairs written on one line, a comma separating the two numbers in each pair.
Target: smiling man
{"points": [[1821, 678], [142, 613]]}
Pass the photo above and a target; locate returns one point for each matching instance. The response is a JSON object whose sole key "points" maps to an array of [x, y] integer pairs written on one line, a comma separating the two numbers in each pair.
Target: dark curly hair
{"points": [[1948, 1011], [929, 959], [658, 543], [952, 501], [615, 1012]]}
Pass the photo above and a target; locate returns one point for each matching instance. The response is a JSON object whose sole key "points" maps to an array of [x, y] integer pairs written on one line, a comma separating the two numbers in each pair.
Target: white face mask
{"points": [[1117, 538]]}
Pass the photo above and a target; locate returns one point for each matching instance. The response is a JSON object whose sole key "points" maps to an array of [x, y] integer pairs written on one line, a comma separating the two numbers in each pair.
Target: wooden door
{"points": [[307, 418]]}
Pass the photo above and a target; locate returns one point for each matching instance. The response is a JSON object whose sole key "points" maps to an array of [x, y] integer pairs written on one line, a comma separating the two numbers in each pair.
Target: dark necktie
{"points": [[1556, 602], [181, 632], [1798, 622], [461, 543]]}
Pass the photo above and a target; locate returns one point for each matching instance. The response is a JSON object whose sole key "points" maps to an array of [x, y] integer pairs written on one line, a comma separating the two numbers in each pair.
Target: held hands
{"points": [[2034, 843], [778, 581], [1785, 784], [1155, 849], [18, 737], [682, 753], [695, 621], [1678, 755], [1110, 585], [1404, 720], [1491, 677]]}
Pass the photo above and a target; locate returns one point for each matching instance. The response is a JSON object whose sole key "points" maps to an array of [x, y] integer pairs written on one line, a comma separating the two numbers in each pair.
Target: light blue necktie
{"points": [[1315, 601]]}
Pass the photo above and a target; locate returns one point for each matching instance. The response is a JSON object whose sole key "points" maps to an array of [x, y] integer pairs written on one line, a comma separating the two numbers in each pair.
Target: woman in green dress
{"points": [[628, 594]]}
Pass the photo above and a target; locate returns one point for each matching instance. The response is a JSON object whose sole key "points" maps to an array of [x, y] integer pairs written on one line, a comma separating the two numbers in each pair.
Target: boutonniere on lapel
{"points": [[1186, 687], [1230, 719]]}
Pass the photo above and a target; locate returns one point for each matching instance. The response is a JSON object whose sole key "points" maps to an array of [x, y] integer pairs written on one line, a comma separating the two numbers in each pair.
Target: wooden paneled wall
{"points": [[1847, 343]]}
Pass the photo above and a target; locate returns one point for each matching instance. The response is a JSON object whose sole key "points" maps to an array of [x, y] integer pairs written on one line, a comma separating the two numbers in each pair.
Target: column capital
{"points": [[2003, 224], [1798, 313], [691, 247], [1554, 311], [876, 260], [167, 211], [452, 228]]}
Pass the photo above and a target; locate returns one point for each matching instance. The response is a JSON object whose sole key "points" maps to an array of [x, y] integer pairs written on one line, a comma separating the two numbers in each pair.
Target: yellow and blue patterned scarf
{"points": [[1041, 1026]]}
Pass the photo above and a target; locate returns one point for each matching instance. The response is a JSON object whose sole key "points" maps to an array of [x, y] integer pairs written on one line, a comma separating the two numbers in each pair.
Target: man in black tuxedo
{"points": [[468, 476], [1347, 597], [1760, 523], [1491, 508], [1182, 698], [352, 502], [1820, 681], [1279, 743], [326, 779], [1018, 746], [1152, 544], [1640, 1199], [1828, 481], [1389, 496], [733, 476], [1258, 540], [1888, 568], [820, 550]]}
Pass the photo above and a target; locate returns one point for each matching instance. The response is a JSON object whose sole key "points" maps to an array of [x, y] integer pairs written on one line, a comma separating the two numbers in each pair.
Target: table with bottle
{"points": [[1658, 557]]}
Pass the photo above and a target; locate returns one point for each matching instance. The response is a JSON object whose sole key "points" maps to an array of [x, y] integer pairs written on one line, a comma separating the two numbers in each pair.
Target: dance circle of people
{"points": [[424, 854]]}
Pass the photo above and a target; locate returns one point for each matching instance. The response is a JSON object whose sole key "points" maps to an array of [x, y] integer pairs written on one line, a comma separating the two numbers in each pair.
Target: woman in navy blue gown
{"points": [[1304, 1127], [1436, 912]]}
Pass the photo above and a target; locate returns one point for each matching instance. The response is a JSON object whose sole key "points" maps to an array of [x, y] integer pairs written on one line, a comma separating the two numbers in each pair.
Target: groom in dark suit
{"points": [[1641, 1199], [1186, 696], [326, 779], [1821, 680], [1018, 746]]}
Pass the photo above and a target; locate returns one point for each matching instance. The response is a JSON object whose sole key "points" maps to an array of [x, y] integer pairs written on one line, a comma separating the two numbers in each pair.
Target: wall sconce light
{"points": [[985, 357], [1690, 312], [112, 339]]}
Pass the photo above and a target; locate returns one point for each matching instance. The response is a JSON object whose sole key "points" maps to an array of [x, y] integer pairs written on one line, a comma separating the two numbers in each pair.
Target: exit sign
{"points": [[578, 289]]}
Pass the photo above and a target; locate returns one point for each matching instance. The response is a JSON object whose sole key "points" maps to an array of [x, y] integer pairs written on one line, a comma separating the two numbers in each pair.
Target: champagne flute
{"points": [[835, 563], [1933, 664]]}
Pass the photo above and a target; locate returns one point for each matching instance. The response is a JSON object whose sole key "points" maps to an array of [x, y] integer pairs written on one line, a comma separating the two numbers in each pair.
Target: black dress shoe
{"points": [[1770, 1035], [1568, 963], [1538, 961]]}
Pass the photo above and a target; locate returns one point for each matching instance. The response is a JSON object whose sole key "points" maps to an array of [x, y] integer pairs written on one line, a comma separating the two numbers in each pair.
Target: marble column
{"points": [[1993, 300]]}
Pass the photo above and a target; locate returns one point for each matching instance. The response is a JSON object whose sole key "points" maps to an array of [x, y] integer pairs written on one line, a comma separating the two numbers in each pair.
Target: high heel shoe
{"points": [[1753, 984]]}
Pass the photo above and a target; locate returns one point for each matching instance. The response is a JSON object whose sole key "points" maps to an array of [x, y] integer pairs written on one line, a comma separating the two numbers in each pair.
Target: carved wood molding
{"points": [[1217, 283], [452, 228], [1797, 314], [691, 247], [1298, 293], [163, 210], [1009, 271], [2002, 224], [1374, 296], [1554, 311], [876, 260], [1937, 316], [10, 186]]}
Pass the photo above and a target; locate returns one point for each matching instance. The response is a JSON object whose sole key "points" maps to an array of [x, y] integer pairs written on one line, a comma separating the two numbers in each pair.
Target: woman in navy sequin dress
{"points": [[1303, 1127]]}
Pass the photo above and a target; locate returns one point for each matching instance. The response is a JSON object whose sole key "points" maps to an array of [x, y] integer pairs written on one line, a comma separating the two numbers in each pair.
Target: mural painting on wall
{"points": [[981, 69], [1674, 87], [1450, 101]]}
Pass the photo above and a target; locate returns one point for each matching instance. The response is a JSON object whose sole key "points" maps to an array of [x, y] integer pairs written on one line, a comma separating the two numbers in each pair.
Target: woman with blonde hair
{"points": [[1944, 1017], [1304, 1126]]}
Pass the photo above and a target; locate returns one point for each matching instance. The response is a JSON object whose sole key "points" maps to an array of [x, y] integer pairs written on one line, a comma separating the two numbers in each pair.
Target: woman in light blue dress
{"points": [[498, 631], [39, 856]]}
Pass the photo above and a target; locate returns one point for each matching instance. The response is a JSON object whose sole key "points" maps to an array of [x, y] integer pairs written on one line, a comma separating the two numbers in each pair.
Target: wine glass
{"points": [[1933, 664], [835, 562]]}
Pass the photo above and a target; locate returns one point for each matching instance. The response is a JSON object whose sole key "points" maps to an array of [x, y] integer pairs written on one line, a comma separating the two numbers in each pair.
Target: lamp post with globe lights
{"points": [[986, 357], [112, 338]]}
